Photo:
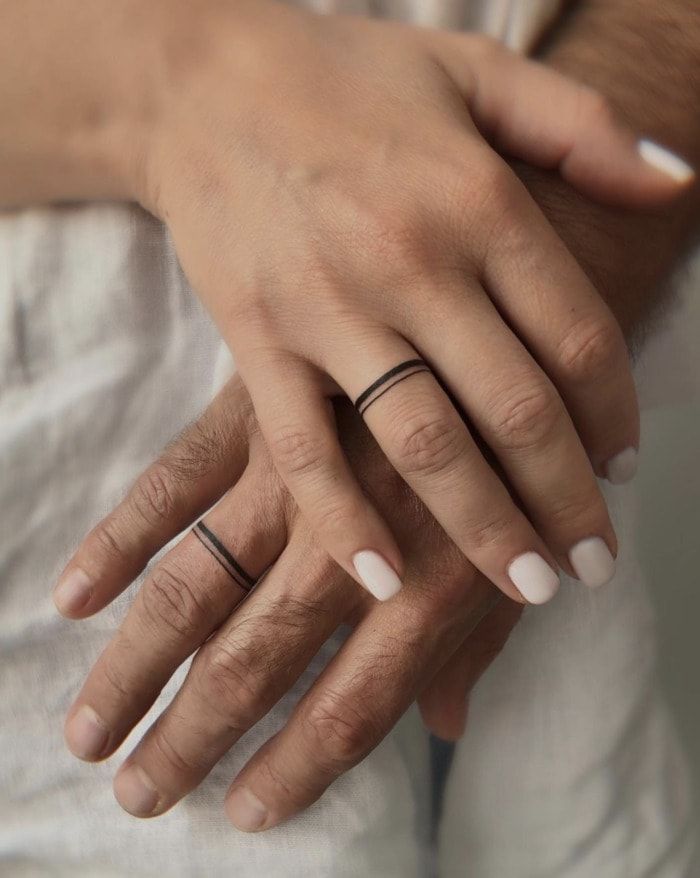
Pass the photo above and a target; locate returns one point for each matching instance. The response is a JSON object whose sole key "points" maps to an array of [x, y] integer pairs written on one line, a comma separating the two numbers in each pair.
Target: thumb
{"points": [[530, 111], [443, 705]]}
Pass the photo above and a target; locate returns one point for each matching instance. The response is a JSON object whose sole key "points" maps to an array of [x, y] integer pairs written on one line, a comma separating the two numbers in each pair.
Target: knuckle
{"points": [[500, 194], [526, 419], [229, 681], [584, 511], [590, 350], [396, 239], [169, 602], [490, 530], [341, 736], [428, 444], [153, 497], [298, 452], [116, 681], [595, 107], [107, 540], [171, 754]]}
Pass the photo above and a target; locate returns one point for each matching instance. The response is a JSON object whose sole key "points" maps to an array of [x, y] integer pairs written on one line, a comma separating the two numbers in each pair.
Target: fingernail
{"points": [[592, 561], [622, 467], [245, 810], [135, 791], [86, 734], [533, 577], [377, 576], [72, 591], [665, 161]]}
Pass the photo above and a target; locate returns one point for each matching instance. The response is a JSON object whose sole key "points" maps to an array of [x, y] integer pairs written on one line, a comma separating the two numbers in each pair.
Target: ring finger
{"points": [[428, 443]]}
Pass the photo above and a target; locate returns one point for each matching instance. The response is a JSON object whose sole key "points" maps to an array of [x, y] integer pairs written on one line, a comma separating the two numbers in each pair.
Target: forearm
{"points": [[645, 57]]}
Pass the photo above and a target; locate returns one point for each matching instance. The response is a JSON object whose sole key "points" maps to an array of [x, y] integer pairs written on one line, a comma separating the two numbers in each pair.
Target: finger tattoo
{"points": [[218, 550], [389, 379]]}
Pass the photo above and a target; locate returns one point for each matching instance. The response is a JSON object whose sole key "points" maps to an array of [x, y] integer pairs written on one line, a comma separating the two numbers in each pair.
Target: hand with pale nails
{"points": [[345, 252], [431, 642], [351, 218]]}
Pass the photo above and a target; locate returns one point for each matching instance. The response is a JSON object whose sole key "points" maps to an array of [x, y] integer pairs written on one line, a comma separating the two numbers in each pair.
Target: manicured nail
{"points": [[72, 591], [592, 561], [377, 576], [245, 810], [622, 467], [533, 577], [665, 161], [86, 734], [135, 791]]}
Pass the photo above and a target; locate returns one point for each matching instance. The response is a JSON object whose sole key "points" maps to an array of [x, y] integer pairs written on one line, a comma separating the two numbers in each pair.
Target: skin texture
{"points": [[331, 246], [604, 44], [600, 238], [257, 649]]}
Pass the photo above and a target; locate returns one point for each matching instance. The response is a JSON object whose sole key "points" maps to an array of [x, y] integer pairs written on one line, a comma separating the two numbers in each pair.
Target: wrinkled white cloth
{"points": [[570, 767]]}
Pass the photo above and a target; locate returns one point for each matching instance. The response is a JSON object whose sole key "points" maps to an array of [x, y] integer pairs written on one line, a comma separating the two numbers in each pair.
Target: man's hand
{"points": [[336, 202], [250, 653], [644, 58]]}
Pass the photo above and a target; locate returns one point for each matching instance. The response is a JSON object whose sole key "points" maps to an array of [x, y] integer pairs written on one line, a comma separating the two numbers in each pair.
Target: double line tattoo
{"points": [[218, 550], [388, 380], [378, 388]]}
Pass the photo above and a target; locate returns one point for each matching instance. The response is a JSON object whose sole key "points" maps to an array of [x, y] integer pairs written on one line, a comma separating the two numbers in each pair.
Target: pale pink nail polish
{"points": [[536, 581], [665, 161], [622, 467], [592, 561], [377, 576]]}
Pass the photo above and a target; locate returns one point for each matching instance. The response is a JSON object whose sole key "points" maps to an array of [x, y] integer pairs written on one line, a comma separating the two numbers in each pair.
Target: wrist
{"points": [[76, 98]]}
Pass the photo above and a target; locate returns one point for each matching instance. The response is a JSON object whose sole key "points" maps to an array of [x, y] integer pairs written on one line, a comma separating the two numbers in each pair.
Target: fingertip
{"points": [[376, 574], [665, 162], [72, 592], [246, 812]]}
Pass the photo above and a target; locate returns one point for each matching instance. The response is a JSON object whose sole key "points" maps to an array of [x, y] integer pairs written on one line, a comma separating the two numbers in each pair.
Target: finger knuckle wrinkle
{"points": [[116, 682], [170, 603], [230, 683], [590, 350], [527, 419], [171, 755], [341, 735], [585, 510], [490, 530], [108, 540], [298, 452], [428, 444], [153, 497]]}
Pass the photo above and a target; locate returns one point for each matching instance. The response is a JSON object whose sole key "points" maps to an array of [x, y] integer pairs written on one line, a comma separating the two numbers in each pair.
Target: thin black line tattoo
{"points": [[394, 376], [219, 551]]}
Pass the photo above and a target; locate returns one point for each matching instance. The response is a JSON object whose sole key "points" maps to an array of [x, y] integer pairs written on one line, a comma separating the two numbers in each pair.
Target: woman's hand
{"points": [[335, 202], [254, 652]]}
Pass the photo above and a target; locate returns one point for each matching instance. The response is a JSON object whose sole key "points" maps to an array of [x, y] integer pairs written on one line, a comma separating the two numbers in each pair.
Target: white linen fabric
{"points": [[570, 767]]}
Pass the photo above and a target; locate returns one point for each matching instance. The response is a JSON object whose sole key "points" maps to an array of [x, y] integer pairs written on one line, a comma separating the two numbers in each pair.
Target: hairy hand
{"points": [[336, 197], [249, 653]]}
